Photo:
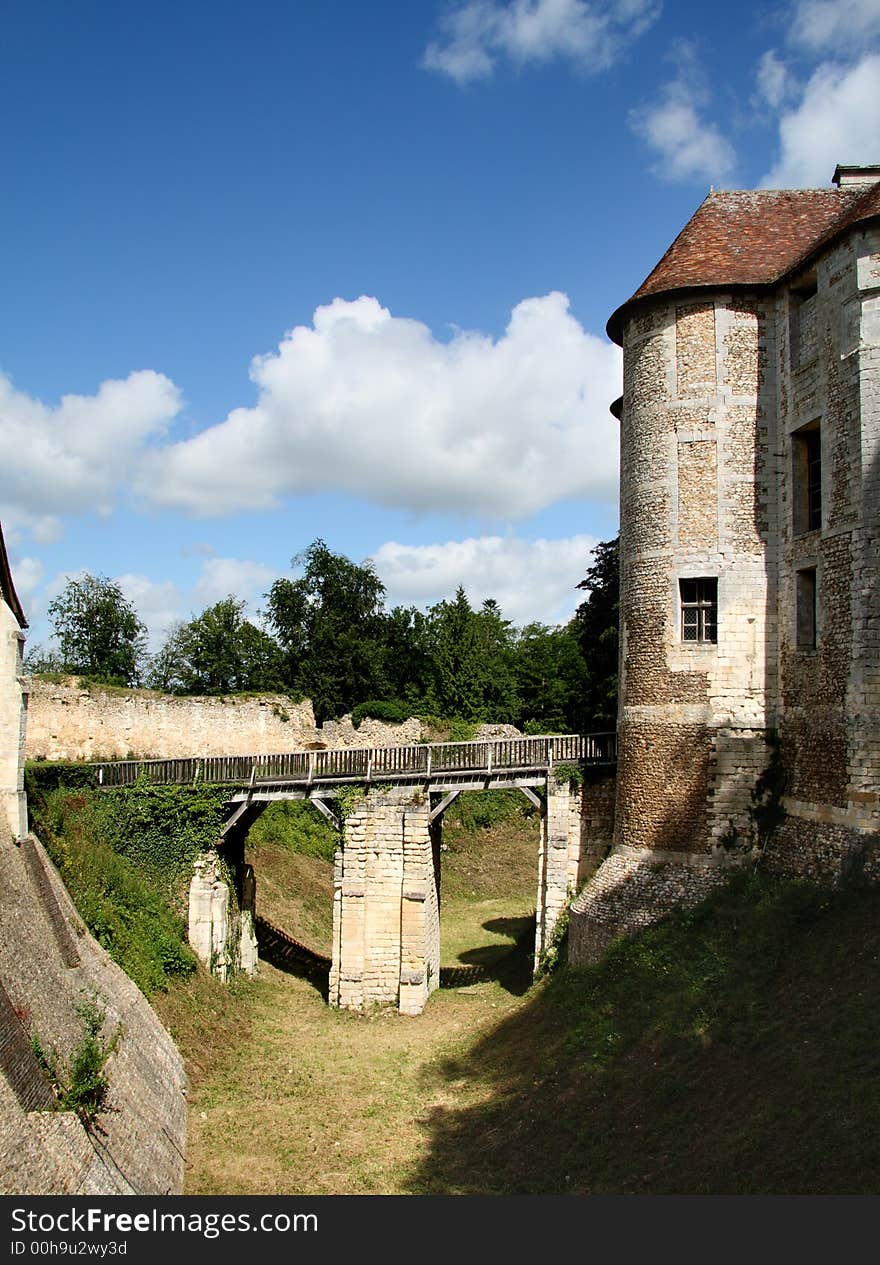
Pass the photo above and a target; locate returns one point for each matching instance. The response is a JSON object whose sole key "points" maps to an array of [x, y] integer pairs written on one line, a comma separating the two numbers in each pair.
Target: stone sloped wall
{"points": [[139, 1148], [633, 888], [70, 721]]}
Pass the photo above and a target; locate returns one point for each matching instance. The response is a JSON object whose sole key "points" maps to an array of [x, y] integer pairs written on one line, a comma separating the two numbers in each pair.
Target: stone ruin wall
{"points": [[73, 722]]}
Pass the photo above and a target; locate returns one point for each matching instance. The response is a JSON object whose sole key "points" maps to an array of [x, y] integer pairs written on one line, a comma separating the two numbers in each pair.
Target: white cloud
{"points": [[72, 458], [374, 405], [530, 580], [830, 26], [590, 33], [835, 121], [689, 147], [27, 575], [221, 577], [773, 80], [161, 604], [157, 603]]}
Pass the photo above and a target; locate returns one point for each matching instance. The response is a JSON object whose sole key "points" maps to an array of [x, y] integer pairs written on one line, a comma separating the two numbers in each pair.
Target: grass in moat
{"points": [[733, 1049]]}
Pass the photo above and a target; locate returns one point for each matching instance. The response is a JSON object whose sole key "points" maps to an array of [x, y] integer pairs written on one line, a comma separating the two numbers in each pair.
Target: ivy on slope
{"points": [[126, 857]]}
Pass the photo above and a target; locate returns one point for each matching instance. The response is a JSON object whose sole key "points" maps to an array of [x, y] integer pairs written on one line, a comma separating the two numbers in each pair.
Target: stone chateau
{"points": [[750, 524]]}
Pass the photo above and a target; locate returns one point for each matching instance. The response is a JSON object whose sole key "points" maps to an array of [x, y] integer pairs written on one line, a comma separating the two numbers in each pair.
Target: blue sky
{"points": [[280, 270]]}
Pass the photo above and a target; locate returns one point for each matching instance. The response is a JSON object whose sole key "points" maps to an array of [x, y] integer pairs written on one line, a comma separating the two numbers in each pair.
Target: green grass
{"points": [[731, 1050], [296, 826], [734, 1049]]}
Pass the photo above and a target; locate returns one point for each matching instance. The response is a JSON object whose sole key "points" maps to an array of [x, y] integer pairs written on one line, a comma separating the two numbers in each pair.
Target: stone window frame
{"points": [[704, 605], [806, 608], [806, 478]]}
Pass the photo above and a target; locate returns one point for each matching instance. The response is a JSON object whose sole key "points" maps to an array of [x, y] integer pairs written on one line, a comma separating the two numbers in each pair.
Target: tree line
{"points": [[328, 636]]}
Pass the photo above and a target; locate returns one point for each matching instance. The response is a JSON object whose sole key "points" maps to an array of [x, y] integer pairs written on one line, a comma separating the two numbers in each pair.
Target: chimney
{"points": [[845, 177]]}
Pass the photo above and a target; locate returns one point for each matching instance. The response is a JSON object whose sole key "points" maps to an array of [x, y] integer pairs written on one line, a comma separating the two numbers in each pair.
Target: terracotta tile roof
{"points": [[752, 238], [7, 588]]}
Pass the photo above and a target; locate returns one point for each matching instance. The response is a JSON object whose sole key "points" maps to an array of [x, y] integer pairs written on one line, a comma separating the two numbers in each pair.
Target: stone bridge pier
{"points": [[386, 903], [386, 911]]}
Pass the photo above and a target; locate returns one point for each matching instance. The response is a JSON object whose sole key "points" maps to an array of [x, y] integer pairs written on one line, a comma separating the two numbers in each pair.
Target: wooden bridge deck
{"points": [[502, 761]]}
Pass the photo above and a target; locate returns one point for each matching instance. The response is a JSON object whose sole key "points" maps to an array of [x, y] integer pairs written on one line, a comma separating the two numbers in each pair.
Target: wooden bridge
{"points": [[441, 765], [386, 921]]}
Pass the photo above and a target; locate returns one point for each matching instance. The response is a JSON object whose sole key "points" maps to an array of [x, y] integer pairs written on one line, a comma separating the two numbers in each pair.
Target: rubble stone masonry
{"points": [[69, 721]]}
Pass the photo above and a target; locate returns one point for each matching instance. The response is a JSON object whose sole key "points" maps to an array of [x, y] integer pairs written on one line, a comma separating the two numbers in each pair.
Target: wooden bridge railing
{"points": [[357, 764]]}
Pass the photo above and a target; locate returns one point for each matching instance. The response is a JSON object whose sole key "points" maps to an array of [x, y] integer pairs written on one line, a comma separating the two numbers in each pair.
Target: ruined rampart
{"points": [[72, 721]]}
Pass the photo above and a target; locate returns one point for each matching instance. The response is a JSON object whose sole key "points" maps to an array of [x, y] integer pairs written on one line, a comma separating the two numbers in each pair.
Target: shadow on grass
{"points": [[509, 965], [292, 956], [731, 1050]]}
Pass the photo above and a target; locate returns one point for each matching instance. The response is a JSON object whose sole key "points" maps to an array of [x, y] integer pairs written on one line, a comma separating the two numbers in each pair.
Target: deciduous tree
{"points": [[218, 652], [98, 631], [329, 625]]}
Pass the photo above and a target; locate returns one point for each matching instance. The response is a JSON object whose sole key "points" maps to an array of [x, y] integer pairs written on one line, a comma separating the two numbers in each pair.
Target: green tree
{"points": [[405, 673], [218, 652], [597, 627], [330, 625], [551, 677], [496, 638], [98, 631], [471, 652]]}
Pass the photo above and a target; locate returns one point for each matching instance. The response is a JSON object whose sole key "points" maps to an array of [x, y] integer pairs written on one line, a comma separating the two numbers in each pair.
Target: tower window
{"points": [[699, 610], [805, 597], [807, 478]]}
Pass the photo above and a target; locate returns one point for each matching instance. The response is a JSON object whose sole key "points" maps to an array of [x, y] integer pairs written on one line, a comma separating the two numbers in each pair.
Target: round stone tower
{"points": [[697, 636], [749, 507]]}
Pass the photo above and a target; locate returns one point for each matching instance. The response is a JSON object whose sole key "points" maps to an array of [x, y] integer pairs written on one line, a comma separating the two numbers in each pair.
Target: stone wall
{"points": [[634, 888], [49, 967], [73, 722], [559, 859], [829, 706], [694, 504], [13, 810]]}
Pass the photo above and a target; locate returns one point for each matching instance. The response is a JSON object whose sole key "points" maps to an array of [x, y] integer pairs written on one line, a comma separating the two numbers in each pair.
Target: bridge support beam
{"points": [[386, 916]]}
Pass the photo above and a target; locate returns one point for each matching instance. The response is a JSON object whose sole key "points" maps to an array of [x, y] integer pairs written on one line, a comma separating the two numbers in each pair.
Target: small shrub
{"points": [[82, 1086], [127, 906], [391, 711], [573, 774], [548, 725]]}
